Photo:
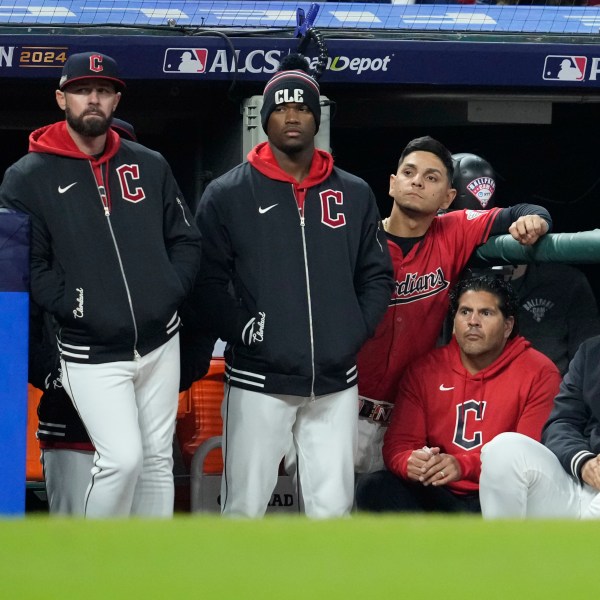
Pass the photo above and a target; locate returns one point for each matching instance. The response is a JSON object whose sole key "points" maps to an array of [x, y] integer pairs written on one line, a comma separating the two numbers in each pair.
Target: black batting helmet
{"points": [[475, 182]]}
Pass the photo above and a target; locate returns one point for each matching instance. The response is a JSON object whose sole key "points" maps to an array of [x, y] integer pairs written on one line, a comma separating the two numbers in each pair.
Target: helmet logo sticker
{"points": [[483, 189]]}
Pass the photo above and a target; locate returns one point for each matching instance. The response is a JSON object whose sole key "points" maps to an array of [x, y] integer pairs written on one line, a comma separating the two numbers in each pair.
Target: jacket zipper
{"points": [[310, 318], [105, 205]]}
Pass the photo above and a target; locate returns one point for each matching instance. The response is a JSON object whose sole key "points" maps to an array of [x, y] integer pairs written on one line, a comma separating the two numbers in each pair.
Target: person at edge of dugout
{"points": [[114, 253]]}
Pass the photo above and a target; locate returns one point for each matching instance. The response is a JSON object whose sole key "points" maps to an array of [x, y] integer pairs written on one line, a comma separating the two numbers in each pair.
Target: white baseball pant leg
{"points": [[256, 438], [256, 435], [325, 434], [129, 410], [521, 478], [67, 474]]}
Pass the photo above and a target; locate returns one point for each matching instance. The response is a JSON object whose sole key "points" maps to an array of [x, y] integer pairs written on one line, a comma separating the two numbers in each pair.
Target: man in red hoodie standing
{"points": [[296, 275], [114, 251], [454, 399]]}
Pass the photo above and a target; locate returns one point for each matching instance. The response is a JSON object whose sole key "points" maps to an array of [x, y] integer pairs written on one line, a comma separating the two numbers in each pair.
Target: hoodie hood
{"points": [[514, 348], [261, 157], [473, 386], [55, 139]]}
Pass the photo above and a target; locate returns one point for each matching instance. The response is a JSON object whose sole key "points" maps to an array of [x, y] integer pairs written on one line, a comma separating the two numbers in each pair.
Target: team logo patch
{"points": [[331, 208], [129, 176], [474, 214], [469, 416], [483, 189], [538, 307], [185, 60], [564, 68]]}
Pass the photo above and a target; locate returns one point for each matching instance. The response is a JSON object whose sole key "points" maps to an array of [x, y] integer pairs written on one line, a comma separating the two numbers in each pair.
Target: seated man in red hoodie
{"points": [[453, 400]]}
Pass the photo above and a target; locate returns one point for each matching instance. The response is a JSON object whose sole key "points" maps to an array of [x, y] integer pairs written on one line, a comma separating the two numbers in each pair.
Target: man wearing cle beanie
{"points": [[293, 85], [295, 276]]}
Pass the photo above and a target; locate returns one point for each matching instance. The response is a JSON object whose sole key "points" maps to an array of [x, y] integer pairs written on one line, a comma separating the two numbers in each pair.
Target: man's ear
{"points": [[60, 99], [392, 179], [450, 195], [117, 100], [509, 323]]}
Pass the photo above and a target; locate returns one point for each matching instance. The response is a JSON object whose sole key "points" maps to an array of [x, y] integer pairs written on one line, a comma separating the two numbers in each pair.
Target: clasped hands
{"points": [[429, 466]]}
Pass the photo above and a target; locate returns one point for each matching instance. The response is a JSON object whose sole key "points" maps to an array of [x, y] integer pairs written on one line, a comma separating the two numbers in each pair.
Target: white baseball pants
{"points": [[129, 410], [256, 436], [521, 478], [67, 474]]}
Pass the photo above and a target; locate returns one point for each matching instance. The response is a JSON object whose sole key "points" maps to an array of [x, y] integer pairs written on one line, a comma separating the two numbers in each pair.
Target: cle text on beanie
{"points": [[291, 86]]}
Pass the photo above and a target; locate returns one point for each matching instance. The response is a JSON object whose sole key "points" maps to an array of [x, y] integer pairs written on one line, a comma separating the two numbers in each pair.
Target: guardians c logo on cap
{"points": [[90, 65]]}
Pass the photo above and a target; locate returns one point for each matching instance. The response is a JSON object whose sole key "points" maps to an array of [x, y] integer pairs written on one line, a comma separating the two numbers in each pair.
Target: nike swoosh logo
{"points": [[62, 190], [262, 210], [443, 388]]}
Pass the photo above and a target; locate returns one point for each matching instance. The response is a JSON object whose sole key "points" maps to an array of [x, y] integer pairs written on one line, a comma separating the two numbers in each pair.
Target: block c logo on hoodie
{"points": [[331, 216], [127, 175], [471, 410]]}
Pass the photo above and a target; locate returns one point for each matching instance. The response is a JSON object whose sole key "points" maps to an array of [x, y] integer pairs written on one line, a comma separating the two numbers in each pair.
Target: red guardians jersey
{"points": [[419, 303], [441, 404]]}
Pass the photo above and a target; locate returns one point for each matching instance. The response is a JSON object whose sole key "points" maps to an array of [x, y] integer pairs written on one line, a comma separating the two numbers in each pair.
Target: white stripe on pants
{"points": [[522, 478], [129, 410], [256, 436]]}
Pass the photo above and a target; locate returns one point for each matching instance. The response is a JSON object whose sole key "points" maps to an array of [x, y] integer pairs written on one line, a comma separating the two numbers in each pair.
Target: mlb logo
{"points": [[185, 60], [564, 68]]}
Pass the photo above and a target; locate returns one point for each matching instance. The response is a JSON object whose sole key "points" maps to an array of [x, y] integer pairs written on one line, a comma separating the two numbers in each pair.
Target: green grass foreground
{"points": [[362, 557]]}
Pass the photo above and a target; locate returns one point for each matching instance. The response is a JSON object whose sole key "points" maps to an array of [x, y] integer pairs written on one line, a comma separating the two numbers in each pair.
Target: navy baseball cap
{"points": [[90, 65]]}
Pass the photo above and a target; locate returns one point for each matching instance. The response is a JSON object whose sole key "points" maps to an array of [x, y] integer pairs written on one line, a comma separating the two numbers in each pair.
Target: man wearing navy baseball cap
{"points": [[94, 65], [114, 252], [89, 119]]}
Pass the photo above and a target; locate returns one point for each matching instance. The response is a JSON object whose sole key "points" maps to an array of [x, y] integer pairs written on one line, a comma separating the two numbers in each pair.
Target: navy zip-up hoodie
{"points": [[307, 259], [114, 249]]}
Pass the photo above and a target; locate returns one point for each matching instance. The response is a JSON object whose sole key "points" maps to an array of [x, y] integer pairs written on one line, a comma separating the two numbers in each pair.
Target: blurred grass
{"points": [[291, 557]]}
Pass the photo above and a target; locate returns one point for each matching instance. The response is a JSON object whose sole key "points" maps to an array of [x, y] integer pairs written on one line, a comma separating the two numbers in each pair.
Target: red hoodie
{"points": [[55, 139], [261, 157], [441, 404]]}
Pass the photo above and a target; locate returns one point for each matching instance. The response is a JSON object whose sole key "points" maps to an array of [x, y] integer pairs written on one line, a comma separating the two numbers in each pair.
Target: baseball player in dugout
{"points": [[454, 399], [114, 251], [429, 251], [67, 453], [295, 277]]}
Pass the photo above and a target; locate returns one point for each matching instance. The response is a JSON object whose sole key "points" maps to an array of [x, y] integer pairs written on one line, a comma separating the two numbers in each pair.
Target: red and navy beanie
{"points": [[291, 86]]}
